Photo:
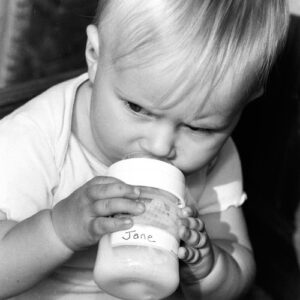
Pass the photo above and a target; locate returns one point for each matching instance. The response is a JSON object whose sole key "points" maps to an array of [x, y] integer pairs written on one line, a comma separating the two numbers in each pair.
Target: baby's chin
{"points": [[189, 170]]}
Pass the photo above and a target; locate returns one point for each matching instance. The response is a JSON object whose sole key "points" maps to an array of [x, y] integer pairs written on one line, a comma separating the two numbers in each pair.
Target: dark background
{"points": [[268, 141]]}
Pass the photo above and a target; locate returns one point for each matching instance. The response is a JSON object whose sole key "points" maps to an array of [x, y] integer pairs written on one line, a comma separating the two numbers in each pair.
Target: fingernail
{"points": [[183, 222], [127, 221], [186, 212], [186, 253], [137, 191], [182, 231], [140, 207]]}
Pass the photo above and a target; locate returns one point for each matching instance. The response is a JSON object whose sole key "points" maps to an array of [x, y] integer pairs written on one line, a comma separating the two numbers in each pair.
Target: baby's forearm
{"points": [[231, 276], [29, 251]]}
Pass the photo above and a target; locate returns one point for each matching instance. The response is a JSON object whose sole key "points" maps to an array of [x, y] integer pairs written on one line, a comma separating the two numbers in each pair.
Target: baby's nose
{"points": [[160, 141]]}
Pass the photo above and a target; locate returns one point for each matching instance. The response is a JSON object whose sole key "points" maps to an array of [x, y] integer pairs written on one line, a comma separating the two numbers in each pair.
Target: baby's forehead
{"points": [[167, 87]]}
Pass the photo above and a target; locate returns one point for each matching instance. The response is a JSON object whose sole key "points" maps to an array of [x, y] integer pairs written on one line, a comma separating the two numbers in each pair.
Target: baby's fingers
{"points": [[189, 212], [193, 238], [189, 255], [101, 226], [116, 206], [193, 223], [111, 188]]}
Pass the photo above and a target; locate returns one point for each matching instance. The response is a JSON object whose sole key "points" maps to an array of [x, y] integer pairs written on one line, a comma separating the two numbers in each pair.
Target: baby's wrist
{"points": [[48, 215]]}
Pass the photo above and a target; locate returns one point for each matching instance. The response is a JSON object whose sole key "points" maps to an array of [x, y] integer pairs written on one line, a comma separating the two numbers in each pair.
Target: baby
{"points": [[166, 78]]}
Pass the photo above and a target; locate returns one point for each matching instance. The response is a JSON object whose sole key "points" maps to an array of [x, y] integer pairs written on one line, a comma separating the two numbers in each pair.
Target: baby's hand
{"points": [[91, 211], [196, 251]]}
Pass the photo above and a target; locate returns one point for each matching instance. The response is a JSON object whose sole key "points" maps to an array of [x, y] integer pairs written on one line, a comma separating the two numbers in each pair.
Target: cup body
{"points": [[141, 262]]}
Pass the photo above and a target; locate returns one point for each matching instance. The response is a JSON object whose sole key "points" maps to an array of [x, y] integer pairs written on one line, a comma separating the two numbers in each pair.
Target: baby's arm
{"points": [[225, 266], [31, 249], [233, 268]]}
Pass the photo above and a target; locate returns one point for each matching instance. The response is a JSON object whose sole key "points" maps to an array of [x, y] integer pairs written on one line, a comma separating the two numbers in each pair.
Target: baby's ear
{"points": [[92, 51]]}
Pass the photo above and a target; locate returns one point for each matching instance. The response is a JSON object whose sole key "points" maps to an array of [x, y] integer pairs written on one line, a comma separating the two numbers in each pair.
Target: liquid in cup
{"points": [[141, 263]]}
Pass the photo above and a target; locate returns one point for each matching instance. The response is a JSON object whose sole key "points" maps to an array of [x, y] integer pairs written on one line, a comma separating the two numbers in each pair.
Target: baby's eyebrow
{"points": [[122, 94], [219, 123]]}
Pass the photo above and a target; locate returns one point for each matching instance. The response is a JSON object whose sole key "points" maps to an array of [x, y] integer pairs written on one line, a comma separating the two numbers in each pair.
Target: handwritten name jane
{"points": [[135, 235]]}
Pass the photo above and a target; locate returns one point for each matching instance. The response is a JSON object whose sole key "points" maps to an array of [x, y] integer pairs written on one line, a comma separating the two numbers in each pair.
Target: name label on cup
{"points": [[143, 235]]}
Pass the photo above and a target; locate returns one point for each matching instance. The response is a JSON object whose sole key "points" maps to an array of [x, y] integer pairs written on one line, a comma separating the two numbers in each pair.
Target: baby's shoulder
{"points": [[219, 184], [49, 112]]}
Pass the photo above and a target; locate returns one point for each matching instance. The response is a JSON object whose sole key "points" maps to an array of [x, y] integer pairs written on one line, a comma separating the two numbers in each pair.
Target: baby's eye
{"points": [[137, 109], [134, 107], [199, 129]]}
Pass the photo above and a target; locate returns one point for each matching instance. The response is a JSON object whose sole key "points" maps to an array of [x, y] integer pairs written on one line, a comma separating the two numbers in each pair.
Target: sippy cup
{"points": [[141, 263]]}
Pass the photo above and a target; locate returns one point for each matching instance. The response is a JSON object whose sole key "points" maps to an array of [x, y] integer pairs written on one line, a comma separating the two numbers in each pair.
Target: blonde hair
{"points": [[201, 39]]}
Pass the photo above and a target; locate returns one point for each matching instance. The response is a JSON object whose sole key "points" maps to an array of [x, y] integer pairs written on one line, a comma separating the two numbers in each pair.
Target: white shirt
{"points": [[42, 162]]}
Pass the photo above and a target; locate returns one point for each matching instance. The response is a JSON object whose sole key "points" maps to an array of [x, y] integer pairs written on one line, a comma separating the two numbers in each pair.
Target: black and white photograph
{"points": [[149, 149]]}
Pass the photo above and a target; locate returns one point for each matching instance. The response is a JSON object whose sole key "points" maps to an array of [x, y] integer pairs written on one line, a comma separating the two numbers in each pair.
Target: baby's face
{"points": [[132, 113]]}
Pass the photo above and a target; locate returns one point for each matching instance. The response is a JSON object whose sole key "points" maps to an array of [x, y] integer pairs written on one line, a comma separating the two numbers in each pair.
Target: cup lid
{"points": [[150, 172]]}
